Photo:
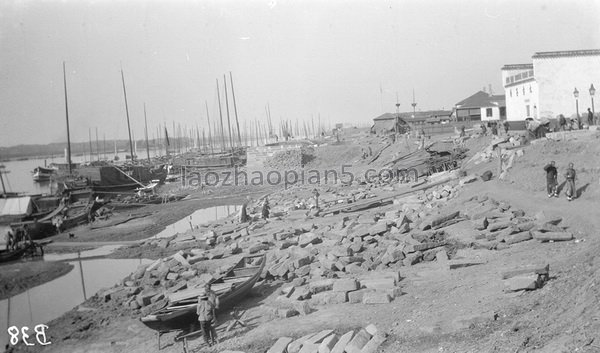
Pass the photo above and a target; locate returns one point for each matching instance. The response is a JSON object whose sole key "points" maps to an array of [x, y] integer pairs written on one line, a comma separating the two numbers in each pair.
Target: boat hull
{"points": [[187, 319]]}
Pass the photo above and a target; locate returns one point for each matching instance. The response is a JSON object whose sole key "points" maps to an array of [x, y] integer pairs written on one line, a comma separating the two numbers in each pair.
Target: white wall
{"points": [[558, 77], [495, 114], [518, 97]]}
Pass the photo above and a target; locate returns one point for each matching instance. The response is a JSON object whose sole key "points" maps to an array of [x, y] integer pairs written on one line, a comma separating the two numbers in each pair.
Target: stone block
{"points": [[376, 298], [296, 345], [340, 346], [522, 282], [358, 342], [413, 258], [554, 236], [327, 298], [519, 237], [280, 345], [355, 297], [258, 247], [319, 337], [309, 348], [328, 343], [309, 238], [378, 283], [378, 228], [321, 285], [345, 285], [373, 344]]}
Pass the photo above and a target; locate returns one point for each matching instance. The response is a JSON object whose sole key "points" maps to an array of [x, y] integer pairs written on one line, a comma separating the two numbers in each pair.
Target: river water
{"points": [[48, 301]]}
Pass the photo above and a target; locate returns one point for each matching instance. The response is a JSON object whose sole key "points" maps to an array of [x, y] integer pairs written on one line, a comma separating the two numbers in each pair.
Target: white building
{"points": [[544, 88]]}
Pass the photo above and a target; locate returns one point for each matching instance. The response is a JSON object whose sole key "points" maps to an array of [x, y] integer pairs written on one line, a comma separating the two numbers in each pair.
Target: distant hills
{"points": [[58, 149]]}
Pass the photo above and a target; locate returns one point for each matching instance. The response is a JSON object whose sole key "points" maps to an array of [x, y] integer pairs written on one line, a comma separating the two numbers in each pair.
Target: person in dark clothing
{"points": [[494, 129], [590, 117], [571, 176], [205, 311], [551, 179], [506, 127], [562, 123]]}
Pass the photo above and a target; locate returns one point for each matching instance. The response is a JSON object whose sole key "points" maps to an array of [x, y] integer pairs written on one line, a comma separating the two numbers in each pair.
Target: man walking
{"points": [[570, 175], [551, 179]]}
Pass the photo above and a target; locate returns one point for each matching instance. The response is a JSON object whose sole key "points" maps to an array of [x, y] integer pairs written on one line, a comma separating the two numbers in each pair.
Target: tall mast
{"points": [[228, 119], [104, 149], [97, 145], [90, 138], [146, 132], [127, 112], [67, 117], [209, 133], [221, 116], [237, 123]]}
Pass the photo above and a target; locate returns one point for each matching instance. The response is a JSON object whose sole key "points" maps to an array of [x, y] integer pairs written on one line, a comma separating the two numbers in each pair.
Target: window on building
{"points": [[530, 90], [510, 92], [517, 92], [502, 112], [488, 112], [507, 80], [528, 112], [523, 90]]}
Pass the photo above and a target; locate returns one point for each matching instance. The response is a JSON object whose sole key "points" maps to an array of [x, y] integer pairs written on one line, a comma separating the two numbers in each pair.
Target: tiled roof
{"points": [[517, 67], [557, 54], [480, 99]]}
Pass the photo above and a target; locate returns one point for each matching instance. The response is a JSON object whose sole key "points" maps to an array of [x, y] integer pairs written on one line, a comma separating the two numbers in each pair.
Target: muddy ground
{"points": [[17, 277], [463, 310]]}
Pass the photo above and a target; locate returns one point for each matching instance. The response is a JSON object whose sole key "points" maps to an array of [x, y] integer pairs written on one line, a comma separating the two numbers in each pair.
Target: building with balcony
{"points": [[545, 88]]}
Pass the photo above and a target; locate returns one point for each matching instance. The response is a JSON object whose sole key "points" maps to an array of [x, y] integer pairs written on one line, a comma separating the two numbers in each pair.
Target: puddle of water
{"points": [[201, 216], [48, 301], [101, 251]]}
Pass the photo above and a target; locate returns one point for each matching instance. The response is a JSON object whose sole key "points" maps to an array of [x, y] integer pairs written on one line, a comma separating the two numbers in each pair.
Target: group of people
{"points": [[493, 126], [15, 239], [552, 180]]}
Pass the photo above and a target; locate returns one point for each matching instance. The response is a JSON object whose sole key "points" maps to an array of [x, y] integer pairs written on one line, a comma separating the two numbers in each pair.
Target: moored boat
{"points": [[42, 174], [232, 287]]}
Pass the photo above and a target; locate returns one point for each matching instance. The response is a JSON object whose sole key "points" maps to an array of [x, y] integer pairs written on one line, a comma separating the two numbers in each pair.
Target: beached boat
{"points": [[232, 287], [42, 174], [11, 255], [27, 249]]}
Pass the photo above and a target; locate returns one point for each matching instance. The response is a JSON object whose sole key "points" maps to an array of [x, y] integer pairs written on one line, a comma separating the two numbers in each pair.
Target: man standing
{"points": [[590, 117], [506, 126], [205, 311], [551, 179], [570, 175], [214, 300]]}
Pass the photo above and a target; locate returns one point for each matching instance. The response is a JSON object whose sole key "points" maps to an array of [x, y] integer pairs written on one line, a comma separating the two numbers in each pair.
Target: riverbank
{"points": [[17, 277]]}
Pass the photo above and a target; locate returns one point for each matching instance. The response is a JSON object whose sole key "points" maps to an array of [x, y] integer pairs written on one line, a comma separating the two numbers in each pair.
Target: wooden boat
{"points": [[11, 255], [180, 313], [42, 174], [27, 249]]}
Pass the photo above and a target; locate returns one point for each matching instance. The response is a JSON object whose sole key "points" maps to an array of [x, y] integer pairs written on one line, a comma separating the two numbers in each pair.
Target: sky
{"points": [[345, 61]]}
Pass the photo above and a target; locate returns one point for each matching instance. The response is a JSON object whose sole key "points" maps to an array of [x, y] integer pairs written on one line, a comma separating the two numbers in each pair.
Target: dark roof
{"points": [[565, 53], [408, 116], [481, 99], [517, 67]]}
